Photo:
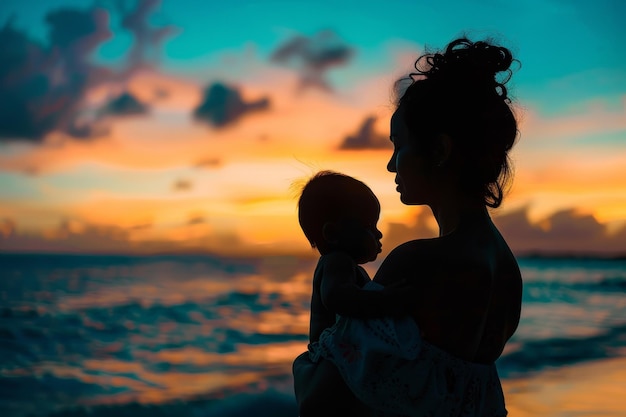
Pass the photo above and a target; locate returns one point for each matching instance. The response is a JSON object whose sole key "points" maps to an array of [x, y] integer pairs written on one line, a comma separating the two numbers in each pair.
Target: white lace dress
{"points": [[390, 368]]}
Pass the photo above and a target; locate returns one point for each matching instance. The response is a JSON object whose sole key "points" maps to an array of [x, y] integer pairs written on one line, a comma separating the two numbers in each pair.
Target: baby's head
{"points": [[338, 212]]}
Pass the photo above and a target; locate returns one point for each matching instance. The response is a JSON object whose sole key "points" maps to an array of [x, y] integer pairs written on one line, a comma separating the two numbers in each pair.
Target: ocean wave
{"points": [[31, 397], [535, 355], [609, 284], [82, 331], [267, 404]]}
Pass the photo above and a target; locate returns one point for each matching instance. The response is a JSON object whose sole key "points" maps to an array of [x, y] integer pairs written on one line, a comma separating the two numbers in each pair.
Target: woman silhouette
{"points": [[452, 131]]}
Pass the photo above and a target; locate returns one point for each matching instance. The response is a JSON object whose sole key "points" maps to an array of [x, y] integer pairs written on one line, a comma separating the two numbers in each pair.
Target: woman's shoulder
{"points": [[427, 249], [453, 255], [419, 257]]}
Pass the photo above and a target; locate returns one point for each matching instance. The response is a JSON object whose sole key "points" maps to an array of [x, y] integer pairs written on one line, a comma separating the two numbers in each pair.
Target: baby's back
{"points": [[321, 316]]}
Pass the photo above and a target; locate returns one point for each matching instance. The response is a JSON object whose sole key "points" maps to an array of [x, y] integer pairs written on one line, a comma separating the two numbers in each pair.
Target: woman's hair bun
{"points": [[470, 63], [460, 91]]}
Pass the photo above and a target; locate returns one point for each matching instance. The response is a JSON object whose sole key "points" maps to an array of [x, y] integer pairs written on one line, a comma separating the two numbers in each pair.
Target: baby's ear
{"points": [[330, 232]]}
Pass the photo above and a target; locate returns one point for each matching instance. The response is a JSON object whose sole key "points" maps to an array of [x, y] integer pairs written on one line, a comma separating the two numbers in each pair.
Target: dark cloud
{"points": [[72, 235], [314, 56], [43, 86], [209, 162], [223, 105], [141, 226], [182, 185], [7, 227], [366, 138], [565, 231], [160, 93], [196, 219], [148, 39], [123, 105], [77, 31], [569, 225]]}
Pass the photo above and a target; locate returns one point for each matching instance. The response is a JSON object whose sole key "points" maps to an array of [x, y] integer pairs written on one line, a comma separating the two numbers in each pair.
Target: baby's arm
{"points": [[341, 294]]}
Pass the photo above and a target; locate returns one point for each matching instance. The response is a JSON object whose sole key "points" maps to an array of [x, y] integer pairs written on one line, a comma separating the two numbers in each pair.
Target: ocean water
{"points": [[208, 336]]}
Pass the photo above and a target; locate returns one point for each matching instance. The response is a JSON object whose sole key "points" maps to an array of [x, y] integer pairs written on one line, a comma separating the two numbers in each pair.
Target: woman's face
{"points": [[409, 166]]}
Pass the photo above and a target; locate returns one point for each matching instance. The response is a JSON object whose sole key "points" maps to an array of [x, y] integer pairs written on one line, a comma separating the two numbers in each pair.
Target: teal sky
{"points": [[571, 50]]}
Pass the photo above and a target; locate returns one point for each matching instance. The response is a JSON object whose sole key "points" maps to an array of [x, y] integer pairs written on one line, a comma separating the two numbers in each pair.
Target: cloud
{"points": [[161, 93], [7, 227], [148, 39], [562, 232], [292, 127], [565, 231], [208, 162], [76, 236], [140, 226], [366, 138], [125, 104], [223, 105], [182, 185], [44, 88], [196, 219], [70, 236], [314, 56]]}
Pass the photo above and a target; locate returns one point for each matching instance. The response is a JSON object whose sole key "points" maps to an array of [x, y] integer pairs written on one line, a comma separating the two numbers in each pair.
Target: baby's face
{"points": [[360, 237]]}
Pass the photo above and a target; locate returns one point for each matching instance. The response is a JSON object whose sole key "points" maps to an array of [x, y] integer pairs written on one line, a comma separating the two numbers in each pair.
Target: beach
{"points": [[590, 389]]}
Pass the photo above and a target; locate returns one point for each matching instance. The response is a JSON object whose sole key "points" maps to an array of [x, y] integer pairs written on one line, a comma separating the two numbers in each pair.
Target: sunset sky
{"points": [[146, 126]]}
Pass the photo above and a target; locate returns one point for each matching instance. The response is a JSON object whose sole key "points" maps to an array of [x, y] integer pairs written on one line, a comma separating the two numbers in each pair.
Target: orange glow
{"points": [[242, 181], [595, 119], [593, 389]]}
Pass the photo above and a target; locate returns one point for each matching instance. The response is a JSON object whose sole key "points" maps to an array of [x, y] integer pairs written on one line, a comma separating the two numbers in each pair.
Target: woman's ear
{"points": [[443, 149], [330, 232]]}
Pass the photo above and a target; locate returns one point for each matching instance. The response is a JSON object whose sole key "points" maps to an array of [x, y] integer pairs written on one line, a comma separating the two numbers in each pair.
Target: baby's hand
{"points": [[404, 293]]}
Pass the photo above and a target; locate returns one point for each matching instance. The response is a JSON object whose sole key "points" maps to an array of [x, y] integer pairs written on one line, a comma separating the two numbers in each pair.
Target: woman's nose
{"points": [[391, 165]]}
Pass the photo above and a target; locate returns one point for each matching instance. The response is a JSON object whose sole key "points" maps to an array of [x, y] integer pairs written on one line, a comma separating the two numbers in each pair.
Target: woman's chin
{"points": [[404, 199], [409, 201]]}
